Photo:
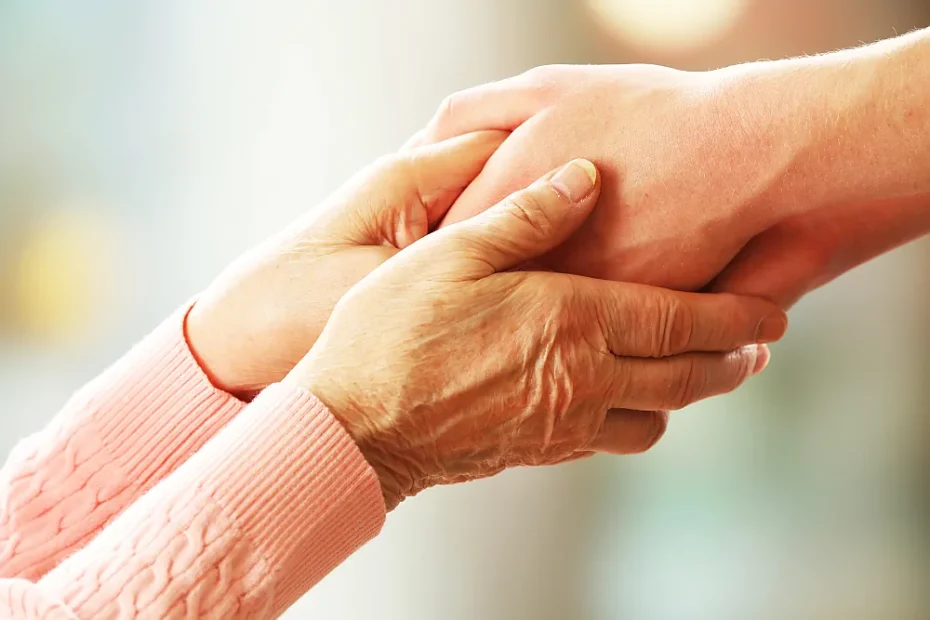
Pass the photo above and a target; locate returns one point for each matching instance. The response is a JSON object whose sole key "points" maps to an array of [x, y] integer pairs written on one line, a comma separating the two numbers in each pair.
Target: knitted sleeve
{"points": [[265, 509], [115, 438]]}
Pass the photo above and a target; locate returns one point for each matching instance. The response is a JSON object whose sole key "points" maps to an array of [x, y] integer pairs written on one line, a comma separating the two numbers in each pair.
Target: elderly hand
{"points": [[446, 366], [262, 315]]}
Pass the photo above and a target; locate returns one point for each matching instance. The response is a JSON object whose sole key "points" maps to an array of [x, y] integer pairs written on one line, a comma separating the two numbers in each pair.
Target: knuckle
{"points": [[545, 75], [691, 385], [621, 386], [676, 327], [529, 209], [617, 380], [395, 165], [544, 84], [448, 109], [542, 73]]}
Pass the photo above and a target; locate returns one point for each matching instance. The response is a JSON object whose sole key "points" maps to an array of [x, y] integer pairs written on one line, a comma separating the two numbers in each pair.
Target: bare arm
{"points": [[854, 128], [858, 121], [768, 178]]}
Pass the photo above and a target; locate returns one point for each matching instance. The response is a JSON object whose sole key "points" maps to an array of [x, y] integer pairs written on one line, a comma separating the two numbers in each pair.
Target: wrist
{"points": [[368, 430], [844, 128], [210, 347], [776, 105]]}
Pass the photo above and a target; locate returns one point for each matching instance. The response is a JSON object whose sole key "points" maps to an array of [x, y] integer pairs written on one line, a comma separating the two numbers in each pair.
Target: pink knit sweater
{"points": [[154, 495]]}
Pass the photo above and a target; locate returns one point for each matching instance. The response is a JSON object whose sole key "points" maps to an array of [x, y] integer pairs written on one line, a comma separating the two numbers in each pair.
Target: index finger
{"points": [[646, 321]]}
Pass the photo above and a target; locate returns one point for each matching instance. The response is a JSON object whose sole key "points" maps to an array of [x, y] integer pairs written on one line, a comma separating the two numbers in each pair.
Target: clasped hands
{"points": [[405, 305]]}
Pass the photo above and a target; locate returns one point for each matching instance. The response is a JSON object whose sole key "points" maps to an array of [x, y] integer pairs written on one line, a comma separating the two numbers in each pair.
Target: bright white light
{"points": [[669, 24]]}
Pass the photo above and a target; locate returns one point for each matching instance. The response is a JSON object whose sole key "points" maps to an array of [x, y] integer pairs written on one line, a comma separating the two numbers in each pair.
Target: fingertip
{"points": [[576, 180], [763, 356], [536, 219], [630, 431], [478, 143], [481, 144], [772, 327], [492, 136], [469, 152], [729, 321], [487, 140], [660, 420], [589, 168]]}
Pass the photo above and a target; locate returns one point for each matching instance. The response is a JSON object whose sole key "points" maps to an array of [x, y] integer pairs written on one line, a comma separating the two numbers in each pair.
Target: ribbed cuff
{"points": [[156, 407], [296, 484]]}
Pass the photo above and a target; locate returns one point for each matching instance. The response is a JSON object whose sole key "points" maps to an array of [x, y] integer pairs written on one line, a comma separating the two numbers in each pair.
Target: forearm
{"points": [[262, 512], [116, 438], [854, 126]]}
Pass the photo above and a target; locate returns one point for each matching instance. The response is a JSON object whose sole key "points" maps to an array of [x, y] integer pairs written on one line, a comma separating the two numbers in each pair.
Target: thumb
{"points": [[525, 225], [399, 198]]}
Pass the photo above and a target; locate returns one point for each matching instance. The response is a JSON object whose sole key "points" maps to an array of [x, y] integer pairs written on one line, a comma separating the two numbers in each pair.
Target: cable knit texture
{"points": [[262, 512], [115, 438], [233, 512]]}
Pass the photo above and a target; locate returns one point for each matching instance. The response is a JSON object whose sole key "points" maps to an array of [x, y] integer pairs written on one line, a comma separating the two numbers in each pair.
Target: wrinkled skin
{"points": [[261, 316], [694, 183], [446, 366]]}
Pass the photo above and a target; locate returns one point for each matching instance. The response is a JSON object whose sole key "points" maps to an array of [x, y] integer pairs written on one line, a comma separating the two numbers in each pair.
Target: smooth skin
{"points": [[768, 178]]}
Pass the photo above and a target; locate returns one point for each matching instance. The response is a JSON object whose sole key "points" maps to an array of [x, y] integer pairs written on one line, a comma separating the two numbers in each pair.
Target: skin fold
{"points": [[442, 362], [445, 365]]}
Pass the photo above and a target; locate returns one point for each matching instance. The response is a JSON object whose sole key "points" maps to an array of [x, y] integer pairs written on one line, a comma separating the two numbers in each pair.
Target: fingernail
{"points": [[762, 358], [771, 328], [575, 180]]}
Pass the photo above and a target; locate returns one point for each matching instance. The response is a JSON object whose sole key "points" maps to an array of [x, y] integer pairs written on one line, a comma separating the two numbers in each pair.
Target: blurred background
{"points": [[144, 145]]}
